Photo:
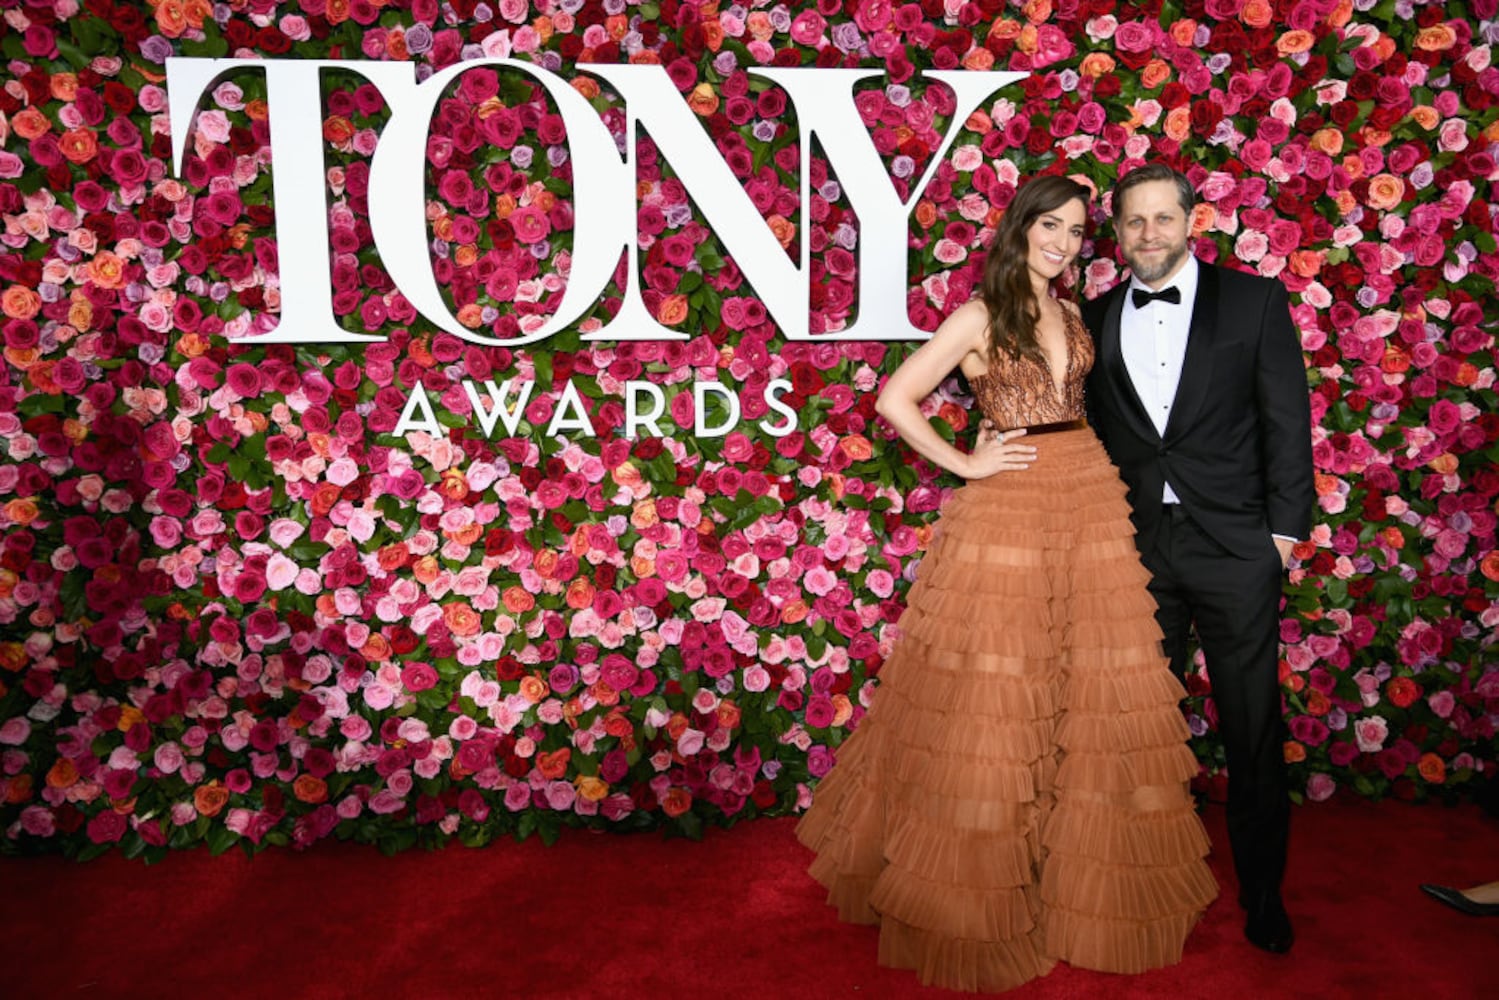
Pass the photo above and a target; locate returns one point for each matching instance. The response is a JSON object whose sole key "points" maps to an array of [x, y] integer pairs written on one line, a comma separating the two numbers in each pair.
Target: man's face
{"points": [[1152, 230]]}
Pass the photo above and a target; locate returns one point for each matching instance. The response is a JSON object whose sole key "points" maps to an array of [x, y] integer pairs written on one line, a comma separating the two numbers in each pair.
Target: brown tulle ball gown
{"points": [[1017, 794]]}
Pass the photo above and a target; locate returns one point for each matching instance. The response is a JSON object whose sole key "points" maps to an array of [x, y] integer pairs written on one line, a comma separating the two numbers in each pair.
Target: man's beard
{"points": [[1175, 254]]}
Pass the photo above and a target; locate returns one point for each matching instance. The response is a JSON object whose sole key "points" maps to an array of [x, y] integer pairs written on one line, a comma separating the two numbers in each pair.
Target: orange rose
{"points": [[1425, 116], [392, 557], [197, 10], [80, 314], [192, 345], [580, 594], [1204, 215], [29, 123], [78, 145], [1328, 140], [553, 763], [1257, 13], [1096, 64], [843, 709], [1317, 703], [517, 600], [1490, 565], [644, 514], [426, 570], [676, 801], [64, 86], [618, 724], [1395, 360], [703, 100], [338, 11], [20, 302], [857, 447], [19, 790], [1293, 752], [533, 688], [1306, 263], [784, 229], [376, 649], [1155, 73], [310, 789], [1293, 42], [1432, 768], [1004, 29], [712, 34], [171, 18], [728, 715], [1437, 38], [13, 654], [1182, 32], [210, 799], [672, 310], [22, 511], [1385, 191], [979, 60], [1178, 124], [106, 270], [793, 611], [62, 774], [466, 535], [461, 619], [471, 315], [1037, 11], [1444, 464], [590, 788]]}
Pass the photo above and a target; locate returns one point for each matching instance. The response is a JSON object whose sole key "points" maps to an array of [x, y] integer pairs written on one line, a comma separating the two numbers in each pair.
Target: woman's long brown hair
{"points": [[1006, 286]]}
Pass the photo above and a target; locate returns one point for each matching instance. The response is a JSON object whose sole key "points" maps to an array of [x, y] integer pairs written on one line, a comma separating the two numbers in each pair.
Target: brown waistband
{"points": [[1060, 425]]}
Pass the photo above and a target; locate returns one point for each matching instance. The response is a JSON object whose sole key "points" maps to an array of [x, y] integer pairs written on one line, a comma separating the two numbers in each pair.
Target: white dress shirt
{"points": [[1154, 343]]}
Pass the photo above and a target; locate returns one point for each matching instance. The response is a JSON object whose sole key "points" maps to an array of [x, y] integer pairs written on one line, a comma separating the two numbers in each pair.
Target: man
{"points": [[1199, 394]]}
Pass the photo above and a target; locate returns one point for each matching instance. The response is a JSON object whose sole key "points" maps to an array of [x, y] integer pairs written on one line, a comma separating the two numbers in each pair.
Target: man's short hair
{"points": [[1155, 172]]}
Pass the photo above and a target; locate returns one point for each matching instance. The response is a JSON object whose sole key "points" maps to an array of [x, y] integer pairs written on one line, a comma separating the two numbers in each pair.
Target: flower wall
{"points": [[235, 608]]}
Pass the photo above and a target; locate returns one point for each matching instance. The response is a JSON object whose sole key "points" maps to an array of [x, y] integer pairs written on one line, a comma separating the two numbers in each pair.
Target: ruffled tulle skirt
{"points": [[1017, 794]]}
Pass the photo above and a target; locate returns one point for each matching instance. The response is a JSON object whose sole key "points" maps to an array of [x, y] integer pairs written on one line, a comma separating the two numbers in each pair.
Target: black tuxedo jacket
{"points": [[1237, 448]]}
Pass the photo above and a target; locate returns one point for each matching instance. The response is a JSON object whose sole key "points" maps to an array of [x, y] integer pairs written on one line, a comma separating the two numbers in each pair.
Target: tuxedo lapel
{"points": [[1112, 360], [1197, 366]]}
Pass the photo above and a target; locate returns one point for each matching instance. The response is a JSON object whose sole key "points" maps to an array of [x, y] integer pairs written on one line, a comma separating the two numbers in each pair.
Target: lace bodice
{"points": [[1020, 392]]}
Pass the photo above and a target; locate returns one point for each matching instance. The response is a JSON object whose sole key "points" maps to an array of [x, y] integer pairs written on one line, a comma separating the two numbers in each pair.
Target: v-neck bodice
{"points": [[1022, 392]]}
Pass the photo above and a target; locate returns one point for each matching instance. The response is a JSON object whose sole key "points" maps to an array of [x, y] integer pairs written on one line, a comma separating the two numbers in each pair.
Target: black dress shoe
{"points": [[1268, 926], [1458, 901]]}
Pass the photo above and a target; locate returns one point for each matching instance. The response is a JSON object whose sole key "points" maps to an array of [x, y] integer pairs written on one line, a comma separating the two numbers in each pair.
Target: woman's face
{"points": [[1054, 239]]}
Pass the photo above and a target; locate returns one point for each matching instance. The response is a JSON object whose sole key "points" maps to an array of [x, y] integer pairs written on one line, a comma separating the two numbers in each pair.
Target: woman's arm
{"points": [[961, 334]]}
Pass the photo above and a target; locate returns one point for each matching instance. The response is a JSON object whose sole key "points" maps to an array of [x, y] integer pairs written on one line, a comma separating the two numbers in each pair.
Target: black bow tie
{"points": [[1142, 298]]}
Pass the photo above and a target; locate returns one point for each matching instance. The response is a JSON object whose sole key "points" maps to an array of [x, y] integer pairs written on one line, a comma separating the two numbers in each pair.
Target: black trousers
{"points": [[1235, 605]]}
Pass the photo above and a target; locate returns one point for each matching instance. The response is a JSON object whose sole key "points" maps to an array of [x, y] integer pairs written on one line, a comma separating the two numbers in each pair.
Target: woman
{"points": [[1017, 793]]}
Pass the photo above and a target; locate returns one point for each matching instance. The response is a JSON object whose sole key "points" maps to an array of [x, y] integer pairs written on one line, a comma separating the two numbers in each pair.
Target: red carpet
{"points": [[599, 916]]}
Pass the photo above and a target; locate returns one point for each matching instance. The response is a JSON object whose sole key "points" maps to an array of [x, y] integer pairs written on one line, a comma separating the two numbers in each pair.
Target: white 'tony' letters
{"points": [[604, 204]]}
